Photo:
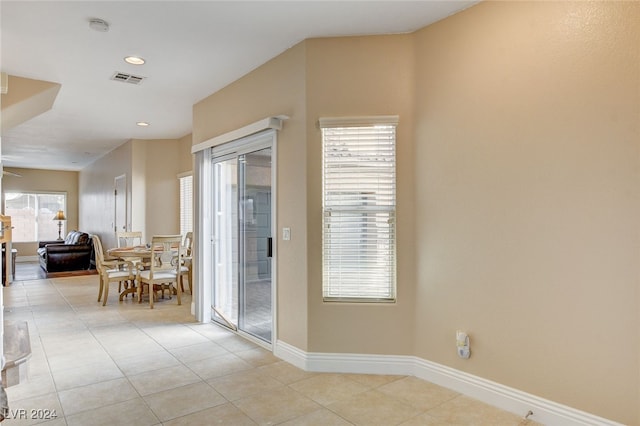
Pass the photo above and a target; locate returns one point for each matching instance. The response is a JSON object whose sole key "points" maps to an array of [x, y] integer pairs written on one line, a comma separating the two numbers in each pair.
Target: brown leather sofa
{"points": [[72, 254]]}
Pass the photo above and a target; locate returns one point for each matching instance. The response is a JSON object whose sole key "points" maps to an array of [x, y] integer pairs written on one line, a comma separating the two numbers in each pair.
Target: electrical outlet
{"points": [[462, 343]]}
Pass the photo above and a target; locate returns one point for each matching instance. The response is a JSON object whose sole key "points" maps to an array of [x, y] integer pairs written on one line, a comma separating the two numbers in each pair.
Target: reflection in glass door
{"points": [[242, 296]]}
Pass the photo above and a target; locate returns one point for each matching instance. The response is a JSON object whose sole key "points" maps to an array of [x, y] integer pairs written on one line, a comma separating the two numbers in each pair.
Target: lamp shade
{"points": [[59, 216]]}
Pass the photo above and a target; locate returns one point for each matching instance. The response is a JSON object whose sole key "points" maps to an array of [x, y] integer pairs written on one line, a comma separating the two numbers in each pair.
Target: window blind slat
{"points": [[359, 199], [186, 204]]}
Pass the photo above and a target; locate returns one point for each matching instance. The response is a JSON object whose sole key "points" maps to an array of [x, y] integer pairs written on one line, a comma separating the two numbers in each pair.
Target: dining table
{"points": [[127, 254], [133, 252]]}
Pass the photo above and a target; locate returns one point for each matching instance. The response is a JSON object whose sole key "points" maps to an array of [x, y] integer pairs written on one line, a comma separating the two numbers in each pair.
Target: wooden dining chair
{"points": [[163, 269], [114, 270], [129, 239]]}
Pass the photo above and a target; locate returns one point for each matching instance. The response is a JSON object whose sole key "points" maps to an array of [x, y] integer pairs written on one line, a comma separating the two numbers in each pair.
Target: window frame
{"points": [[37, 195], [379, 201]]}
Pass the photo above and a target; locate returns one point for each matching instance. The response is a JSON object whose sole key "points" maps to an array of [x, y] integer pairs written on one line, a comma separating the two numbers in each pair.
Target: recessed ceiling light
{"points": [[134, 60], [142, 123]]}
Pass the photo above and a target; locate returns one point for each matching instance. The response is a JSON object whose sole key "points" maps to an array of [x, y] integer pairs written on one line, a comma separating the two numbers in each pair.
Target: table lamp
{"points": [[59, 217]]}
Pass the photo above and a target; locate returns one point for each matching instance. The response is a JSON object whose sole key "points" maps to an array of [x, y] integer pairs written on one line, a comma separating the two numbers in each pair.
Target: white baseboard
{"points": [[506, 398], [27, 259]]}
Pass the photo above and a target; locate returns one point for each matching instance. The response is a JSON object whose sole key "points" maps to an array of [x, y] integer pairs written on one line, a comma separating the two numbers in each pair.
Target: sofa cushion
{"points": [[72, 238], [77, 237]]}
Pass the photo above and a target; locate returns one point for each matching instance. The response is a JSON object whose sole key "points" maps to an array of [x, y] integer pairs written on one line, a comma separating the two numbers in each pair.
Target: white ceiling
{"points": [[192, 50]]}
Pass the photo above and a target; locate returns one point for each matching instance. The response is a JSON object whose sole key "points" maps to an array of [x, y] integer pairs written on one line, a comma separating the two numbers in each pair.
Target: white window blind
{"points": [[359, 203], [186, 204]]}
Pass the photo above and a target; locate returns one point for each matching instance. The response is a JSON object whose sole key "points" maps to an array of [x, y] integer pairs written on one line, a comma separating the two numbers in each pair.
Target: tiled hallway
{"points": [[124, 364]]}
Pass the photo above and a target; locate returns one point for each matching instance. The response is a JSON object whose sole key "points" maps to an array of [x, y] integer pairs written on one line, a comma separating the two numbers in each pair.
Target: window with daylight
{"points": [[359, 209], [32, 215], [186, 204]]}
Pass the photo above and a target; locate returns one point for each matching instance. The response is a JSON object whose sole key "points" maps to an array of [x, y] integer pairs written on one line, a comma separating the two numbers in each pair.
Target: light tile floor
{"points": [[125, 364]]}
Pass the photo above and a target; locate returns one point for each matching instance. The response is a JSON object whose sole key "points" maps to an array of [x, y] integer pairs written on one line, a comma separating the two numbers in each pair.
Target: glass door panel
{"points": [[225, 253], [255, 243]]}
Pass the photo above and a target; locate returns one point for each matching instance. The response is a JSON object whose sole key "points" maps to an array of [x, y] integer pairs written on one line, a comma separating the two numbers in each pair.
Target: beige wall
{"points": [[518, 193], [44, 180], [97, 208], [355, 77], [186, 158], [138, 194], [528, 138], [276, 88], [161, 185], [26, 99], [151, 168]]}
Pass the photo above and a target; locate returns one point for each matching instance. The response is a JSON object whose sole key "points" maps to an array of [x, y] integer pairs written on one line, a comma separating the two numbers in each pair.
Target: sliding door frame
{"points": [[261, 140]]}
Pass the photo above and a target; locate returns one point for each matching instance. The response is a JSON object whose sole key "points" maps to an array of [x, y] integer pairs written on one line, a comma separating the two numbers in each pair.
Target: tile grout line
{"points": [[91, 331]]}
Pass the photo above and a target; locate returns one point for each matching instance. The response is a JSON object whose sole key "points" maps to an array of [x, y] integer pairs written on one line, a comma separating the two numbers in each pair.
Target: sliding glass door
{"points": [[242, 244]]}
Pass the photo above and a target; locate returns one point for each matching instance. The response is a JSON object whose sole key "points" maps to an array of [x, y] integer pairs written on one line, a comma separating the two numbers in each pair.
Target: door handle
{"points": [[269, 247]]}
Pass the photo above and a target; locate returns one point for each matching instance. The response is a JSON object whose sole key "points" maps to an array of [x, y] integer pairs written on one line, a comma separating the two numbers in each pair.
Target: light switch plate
{"points": [[286, 234]]}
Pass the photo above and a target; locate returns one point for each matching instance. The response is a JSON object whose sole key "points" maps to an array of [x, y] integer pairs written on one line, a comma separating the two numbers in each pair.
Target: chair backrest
{"points": [[97, 248], [166, 253], [129, 238], [188, 243]]}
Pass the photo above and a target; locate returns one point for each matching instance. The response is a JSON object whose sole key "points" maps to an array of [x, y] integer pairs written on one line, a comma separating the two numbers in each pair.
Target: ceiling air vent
{"points": [[127, 78]]}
